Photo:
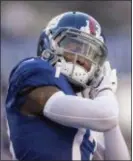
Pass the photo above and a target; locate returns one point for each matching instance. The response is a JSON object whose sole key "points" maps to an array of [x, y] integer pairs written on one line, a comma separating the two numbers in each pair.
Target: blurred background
{"points": [[22, 22]]}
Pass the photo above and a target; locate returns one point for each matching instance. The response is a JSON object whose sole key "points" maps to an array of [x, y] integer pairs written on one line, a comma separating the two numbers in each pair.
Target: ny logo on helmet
{"points": [[91, 28]]}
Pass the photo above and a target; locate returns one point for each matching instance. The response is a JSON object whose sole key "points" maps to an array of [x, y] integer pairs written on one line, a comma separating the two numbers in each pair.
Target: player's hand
{"points": [[108, 80]]}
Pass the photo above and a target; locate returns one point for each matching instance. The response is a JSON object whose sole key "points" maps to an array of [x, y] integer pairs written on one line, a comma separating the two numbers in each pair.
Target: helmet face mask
{"points": [[82, 54], [86, 46]]}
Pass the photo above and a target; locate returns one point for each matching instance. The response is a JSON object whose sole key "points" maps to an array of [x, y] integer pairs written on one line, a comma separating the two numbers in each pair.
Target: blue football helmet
{"points": [[71, 37]]}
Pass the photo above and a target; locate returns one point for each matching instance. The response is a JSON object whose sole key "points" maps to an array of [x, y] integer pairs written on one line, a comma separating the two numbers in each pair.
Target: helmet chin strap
{"points": [[58, 69]]}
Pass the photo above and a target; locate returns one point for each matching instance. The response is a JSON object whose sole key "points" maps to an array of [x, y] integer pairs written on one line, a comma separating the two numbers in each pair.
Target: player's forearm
{"points": [[115, 146], [99, 114]]}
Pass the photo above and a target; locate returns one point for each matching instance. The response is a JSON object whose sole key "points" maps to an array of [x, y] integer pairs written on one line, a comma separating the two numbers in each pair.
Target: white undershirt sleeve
{"points": [[99, 114]]}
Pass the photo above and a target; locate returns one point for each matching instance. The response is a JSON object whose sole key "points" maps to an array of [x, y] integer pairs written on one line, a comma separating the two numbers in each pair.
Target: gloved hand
{"points": [[108, 80]]}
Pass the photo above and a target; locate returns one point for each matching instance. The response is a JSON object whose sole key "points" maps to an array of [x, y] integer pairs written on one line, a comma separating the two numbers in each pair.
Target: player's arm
{"points": [[36, 99], [115, 147], [99, 114]]}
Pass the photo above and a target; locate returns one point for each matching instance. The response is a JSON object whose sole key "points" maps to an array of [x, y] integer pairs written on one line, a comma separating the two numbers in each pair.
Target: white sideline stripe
{"points": [[76, 153]]}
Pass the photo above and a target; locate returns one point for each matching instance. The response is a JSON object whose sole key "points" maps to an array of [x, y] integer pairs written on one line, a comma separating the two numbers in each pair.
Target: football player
{"points": [[47, 119]]}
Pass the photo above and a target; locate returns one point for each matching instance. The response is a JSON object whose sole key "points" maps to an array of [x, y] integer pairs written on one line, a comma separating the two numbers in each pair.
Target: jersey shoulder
{"points": [[29, 65], [32, 71]]}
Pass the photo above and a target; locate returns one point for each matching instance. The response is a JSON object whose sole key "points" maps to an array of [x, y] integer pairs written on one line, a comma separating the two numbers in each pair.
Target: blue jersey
{"points": [[34, 138]]}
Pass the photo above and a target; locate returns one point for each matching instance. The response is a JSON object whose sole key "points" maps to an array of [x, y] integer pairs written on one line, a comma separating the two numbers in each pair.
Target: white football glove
{"points": [[109, 81]]}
